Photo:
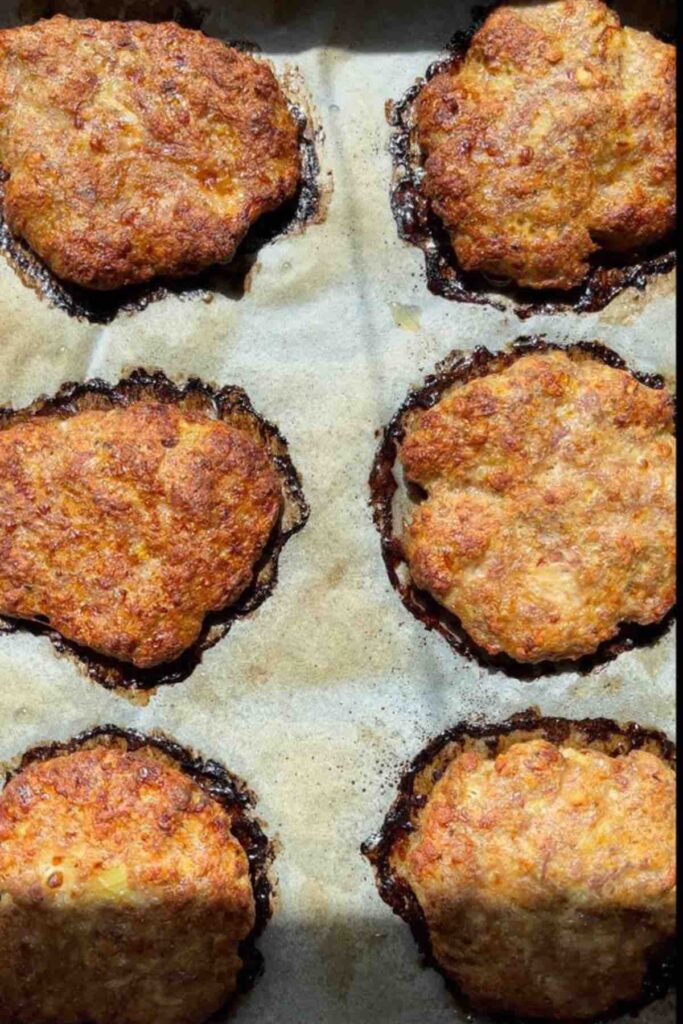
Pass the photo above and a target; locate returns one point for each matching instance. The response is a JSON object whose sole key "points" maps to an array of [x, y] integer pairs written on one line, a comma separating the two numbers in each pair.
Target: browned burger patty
{"points": [[546, 875], [124, 895], [134, 150], [553, 138], [123, 528], [550, 510]]}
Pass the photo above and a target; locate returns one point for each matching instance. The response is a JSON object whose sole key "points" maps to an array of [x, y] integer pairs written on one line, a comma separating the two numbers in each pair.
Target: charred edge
{"points": [[230, 278], [222, 786], [304, 207], [403, 814], [185, 13], [227, 404], [608, 274], [459, 368]]}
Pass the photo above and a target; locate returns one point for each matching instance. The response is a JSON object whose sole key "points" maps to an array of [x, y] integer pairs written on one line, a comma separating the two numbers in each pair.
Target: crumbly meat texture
{"points": [[123, 893], [555, 137], [135, 150], [550, 515], [124, 528], [546, 876]]}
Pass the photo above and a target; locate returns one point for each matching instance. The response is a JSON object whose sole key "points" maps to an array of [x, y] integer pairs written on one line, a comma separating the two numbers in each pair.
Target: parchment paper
{"points": [[323, 695]]}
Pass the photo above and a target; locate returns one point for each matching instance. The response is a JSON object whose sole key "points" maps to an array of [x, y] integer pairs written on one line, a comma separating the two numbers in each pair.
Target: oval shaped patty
{"points": [[135, 150], [555, 137], [546, 875], [124, 528], [550, 515], [124, 895]]}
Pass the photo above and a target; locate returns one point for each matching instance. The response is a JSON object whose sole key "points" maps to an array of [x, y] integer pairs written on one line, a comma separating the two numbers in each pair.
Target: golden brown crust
{"points": [[546, 875], [125, 527], [554, 137], [123, 893], [135, 150], [550, 516]]}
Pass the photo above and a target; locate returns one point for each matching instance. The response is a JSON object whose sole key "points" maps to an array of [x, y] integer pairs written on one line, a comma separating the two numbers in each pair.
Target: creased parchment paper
{"points": [[322, 696]]}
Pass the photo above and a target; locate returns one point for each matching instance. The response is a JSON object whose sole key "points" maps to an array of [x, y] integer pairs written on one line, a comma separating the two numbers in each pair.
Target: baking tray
{"points": [[320, 697]]}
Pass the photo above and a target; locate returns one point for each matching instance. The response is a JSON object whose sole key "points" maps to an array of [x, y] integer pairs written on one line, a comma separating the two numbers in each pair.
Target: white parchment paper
{"points": [[323, 695]]}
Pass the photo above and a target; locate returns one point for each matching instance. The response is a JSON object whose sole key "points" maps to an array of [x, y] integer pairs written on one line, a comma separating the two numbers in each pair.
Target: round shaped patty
{"points": [[550, 509], [124, 895], [135, 150], [122, 528], [546, 875], [554, 137]]}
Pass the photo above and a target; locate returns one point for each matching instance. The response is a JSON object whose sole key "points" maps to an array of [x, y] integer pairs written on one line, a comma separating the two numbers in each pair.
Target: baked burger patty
{"points": [[554, 137], [124, 895], [122, 528], [549, 516], [544, 873], [133, 150]]}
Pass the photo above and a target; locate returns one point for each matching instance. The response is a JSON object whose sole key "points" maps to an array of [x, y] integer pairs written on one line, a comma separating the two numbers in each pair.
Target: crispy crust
{"points": [[125, 894], [523, 854], [555, 136], [124, 527], [549, 517], [135, 150]]}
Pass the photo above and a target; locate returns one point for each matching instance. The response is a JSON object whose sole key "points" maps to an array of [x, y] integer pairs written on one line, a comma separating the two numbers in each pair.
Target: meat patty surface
{"points": [[123, 528], [550, 509], [124, 894], [546, 876], [134, 150], [554, 137]]}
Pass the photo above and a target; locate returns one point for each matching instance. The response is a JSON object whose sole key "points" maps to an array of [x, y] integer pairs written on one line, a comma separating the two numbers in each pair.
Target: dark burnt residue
{"points": [[230, 279], [221, 786], [609, 273], [457, 369], [427, 768], [229, 404], [186, 13]]}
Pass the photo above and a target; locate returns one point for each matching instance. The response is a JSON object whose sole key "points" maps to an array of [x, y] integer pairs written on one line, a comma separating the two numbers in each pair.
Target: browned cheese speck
{"points": [[134, 150], [546, 876], [123, 528], [550, 510], [123, 893], [553, 138]]}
